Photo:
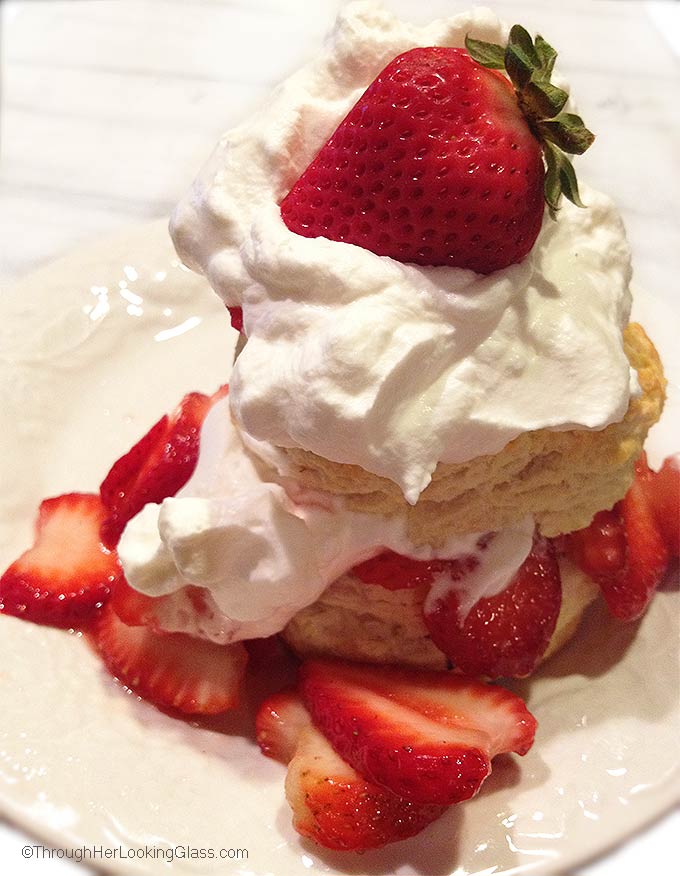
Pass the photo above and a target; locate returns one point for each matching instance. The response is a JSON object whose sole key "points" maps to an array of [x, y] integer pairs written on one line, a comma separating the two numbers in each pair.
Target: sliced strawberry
{"points": [[173, 671], [66, 576], [624, 550], [236, 315], [505, 635], [428, 737], [397, 572], [125, 470], [135, 609], [662, 489], [600, 549], [157, 466], [188, 609], [332, 804], [629, 592], [279, 723]]}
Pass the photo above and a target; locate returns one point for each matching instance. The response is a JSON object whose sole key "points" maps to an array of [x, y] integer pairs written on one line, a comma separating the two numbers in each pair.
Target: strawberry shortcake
{"points": [[429, 459], [434, 328]]}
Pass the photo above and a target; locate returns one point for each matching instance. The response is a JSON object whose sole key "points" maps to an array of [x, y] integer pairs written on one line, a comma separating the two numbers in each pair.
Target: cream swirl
{"points": [[390, 366], [262, 549]]}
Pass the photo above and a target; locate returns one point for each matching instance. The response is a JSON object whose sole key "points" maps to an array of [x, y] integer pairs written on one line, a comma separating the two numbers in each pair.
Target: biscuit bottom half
{"points": [[561, 478], [368, 623]]}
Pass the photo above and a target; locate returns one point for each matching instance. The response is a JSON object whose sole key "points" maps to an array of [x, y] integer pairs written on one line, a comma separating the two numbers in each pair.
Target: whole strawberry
{"points": [[441, 161]]}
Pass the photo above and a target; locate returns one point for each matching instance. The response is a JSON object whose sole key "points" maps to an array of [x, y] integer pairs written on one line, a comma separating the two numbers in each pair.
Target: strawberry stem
{"points": [[529, 65]]}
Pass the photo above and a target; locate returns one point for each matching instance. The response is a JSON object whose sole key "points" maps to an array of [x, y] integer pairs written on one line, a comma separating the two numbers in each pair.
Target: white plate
{"points": [[94, 348]]}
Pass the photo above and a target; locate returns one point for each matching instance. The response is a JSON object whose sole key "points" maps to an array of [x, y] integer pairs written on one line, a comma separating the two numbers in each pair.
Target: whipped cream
{"points": [[390, 366], [262, 549]]}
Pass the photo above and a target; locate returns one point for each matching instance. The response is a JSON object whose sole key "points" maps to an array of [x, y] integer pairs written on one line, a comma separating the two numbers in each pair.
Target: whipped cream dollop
{"points": [[390, 366], [262, 549]]}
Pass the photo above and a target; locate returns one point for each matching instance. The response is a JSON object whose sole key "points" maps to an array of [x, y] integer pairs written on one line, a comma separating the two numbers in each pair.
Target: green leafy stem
{"points": [[529, 64]]}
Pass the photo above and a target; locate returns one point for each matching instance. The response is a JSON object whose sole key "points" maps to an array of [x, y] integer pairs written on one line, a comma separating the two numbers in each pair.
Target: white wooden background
{"points": [[109, 106]]}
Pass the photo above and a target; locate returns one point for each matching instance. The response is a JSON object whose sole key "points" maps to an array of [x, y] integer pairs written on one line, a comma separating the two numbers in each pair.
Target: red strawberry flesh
{"points": [[125, 470], [425, 736], [600, 549], [173, 671], [396, 572], [236, 316], [506, 634], [134, 608], [662, 489], [629, 593], [435, 164], [66, 576], [626, 550], [279, 723], [157, 466], [332, 804], [337, 808]]}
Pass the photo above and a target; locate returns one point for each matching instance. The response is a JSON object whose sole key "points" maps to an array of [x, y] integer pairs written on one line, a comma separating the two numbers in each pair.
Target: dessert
{"points": [[393, 485]]}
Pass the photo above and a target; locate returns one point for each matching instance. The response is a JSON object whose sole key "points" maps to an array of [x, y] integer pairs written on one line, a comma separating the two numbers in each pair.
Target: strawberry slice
{"points": [[135, 609], [279, 723], [187, 610], [428, 737], [157, 466], [600, 549], [236, 316], [629, 593], [662, 489], [505, 635], [396, 572], [173, 671], [332, 804], [625, 550], [64, 578]]}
